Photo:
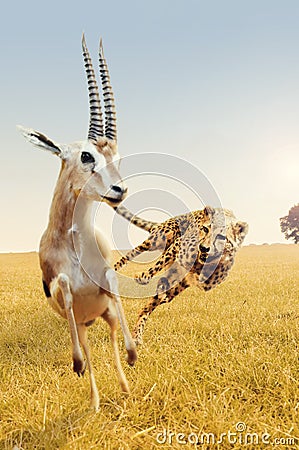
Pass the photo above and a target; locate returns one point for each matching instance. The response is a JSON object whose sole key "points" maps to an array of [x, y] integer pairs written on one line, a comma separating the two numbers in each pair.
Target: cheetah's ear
{"points": [[242, 229], [209, 211]]}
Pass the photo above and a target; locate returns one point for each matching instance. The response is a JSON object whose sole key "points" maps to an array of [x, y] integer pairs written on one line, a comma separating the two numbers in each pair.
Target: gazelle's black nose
{"points": [[118, 190]]}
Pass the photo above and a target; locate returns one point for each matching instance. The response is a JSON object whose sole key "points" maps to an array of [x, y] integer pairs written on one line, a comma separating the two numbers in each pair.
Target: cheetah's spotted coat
{"points": [[198, 248]]}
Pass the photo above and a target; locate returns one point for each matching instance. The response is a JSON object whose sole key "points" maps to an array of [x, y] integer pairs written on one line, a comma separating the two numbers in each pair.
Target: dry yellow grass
{"points": [[209, 362]]}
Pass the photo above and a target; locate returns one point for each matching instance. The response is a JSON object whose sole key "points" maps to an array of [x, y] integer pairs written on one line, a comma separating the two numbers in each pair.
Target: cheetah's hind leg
{"points": [[164, 294]]}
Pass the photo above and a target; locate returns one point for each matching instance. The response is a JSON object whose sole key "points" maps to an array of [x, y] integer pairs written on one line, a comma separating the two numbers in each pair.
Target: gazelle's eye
{"points": [[87, 158]]}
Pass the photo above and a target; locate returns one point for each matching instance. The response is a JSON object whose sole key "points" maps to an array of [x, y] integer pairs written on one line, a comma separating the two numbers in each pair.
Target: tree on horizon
{"points": [[289, 224]]}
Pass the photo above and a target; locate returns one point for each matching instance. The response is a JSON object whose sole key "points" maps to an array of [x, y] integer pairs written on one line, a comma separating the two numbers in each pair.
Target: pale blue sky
{"points": [[214, 82]]}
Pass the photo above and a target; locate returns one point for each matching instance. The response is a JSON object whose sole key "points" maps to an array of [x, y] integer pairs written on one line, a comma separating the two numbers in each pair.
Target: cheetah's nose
{"points": [[204, 249]]}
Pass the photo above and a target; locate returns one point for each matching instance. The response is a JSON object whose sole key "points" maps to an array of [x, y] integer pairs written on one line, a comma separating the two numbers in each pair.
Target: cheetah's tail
{"points": [[141, 223]]}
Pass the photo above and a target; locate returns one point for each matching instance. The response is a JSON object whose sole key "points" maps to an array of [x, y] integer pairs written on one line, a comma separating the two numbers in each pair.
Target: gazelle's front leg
{"points": [[61, 283], [110, 315], [129, 343]]}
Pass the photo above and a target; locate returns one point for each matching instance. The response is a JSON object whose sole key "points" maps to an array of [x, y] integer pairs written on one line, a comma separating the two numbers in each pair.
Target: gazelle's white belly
{"points": [[89, 307], [86, 307], [89, 299]]}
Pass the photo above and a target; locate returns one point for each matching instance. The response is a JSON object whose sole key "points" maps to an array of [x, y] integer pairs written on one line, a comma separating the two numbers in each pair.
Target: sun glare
{"points": [[285, 164]]}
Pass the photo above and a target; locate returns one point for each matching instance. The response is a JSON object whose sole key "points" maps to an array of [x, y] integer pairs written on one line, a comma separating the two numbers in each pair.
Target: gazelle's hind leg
{"points": [[110, 315], [62, 283], [94, 394]]}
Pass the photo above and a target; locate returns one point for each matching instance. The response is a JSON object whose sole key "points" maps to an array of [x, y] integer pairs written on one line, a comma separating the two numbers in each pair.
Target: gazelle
{"points": [[71, 248]]}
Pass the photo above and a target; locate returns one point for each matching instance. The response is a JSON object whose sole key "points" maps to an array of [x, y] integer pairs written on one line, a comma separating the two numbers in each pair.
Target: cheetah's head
{"points": [[227, 233]]}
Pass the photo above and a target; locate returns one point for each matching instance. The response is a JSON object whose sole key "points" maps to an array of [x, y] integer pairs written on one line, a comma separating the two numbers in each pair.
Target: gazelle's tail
{"points": [[141, 223]]}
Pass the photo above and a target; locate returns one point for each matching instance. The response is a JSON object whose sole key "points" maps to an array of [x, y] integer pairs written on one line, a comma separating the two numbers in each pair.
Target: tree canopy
{"points": [[289, 224]]}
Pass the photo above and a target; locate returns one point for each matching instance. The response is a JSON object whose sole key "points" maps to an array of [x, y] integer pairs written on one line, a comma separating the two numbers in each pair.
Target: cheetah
{"points": [[198, 248]]}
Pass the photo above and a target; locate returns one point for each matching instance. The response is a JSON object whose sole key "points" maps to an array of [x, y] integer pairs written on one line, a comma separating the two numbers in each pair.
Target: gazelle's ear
{"points": [[39, 140]]}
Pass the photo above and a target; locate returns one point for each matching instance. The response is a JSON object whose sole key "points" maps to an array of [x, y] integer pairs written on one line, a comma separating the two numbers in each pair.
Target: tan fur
{"points": [[74, 257]]}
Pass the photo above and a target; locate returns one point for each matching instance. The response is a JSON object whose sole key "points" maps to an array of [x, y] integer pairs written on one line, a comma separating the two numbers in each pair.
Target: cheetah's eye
{"points": [[205, 229], [87, 158]]}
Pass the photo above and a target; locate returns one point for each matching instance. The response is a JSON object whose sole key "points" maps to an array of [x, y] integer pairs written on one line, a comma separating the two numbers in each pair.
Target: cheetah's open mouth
{"points": [[204, 257]]}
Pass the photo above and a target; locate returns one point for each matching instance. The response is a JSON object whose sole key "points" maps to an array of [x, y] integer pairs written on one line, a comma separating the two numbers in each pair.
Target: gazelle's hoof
{"points": [[131, 356], [94, 405], [79, 366], [125, 387]]}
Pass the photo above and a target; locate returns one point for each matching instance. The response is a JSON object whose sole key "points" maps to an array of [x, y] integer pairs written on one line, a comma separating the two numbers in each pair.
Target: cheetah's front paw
{"points": [[142, 278]]}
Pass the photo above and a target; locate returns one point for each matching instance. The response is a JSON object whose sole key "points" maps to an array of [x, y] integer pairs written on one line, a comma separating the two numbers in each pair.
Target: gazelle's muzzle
{"points": [[116, 194]]}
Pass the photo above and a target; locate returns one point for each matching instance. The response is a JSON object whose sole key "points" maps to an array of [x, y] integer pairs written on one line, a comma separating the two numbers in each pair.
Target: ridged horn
{"points": [[96, 128], [109, 105]]}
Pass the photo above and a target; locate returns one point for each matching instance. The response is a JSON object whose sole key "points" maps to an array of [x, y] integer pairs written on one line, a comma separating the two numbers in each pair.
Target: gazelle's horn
{"points": [[109, 105], [96, 128]]}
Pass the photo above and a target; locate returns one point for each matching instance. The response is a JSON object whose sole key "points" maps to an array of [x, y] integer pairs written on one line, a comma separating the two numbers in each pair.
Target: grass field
{"points": [[221, 362]]}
